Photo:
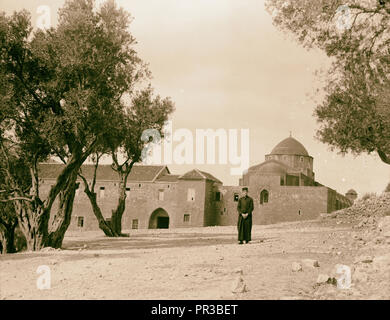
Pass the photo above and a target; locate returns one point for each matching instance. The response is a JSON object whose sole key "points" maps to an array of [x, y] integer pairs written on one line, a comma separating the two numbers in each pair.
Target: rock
{"points": [[54, 262], [49, 249], [322, 278], [239, 285], [238, 271], [326, 279], [379, 240], [311, 263], [363, 259], [384, 225], [296, 266]]}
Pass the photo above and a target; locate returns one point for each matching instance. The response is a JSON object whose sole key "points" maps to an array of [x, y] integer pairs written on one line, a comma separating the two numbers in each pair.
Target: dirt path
{"points": [[195, 263]]}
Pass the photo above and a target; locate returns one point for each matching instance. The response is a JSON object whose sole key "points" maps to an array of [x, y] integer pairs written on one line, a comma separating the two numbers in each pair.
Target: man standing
{"points": [[244, 225]]}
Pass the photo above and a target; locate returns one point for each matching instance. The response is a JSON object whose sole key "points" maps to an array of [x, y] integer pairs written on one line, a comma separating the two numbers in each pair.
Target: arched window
{"points": [[263, 196]]}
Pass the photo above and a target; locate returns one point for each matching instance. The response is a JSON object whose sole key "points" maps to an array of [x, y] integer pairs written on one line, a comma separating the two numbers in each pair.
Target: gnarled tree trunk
{"points": [[39, 228], [116, 216], [7, 237], [103, 224], [114, 228], [62, 218], [33, 223]]}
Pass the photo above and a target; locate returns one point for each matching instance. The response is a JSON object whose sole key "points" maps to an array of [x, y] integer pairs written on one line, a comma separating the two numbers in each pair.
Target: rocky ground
{"points": [[285, 261]]}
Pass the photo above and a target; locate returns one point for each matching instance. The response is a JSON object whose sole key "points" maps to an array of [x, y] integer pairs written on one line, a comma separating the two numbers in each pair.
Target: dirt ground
{"points": [[200, 263]]}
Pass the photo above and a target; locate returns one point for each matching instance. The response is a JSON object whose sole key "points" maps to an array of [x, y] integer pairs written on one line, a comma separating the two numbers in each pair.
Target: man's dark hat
{"points": [[245, 189]]}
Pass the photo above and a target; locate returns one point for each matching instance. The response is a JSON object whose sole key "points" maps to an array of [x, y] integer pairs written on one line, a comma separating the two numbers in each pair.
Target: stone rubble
{"points": [[296, 267], [370, 271]]}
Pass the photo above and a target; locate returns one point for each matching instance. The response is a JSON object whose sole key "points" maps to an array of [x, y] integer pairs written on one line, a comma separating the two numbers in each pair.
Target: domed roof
{"points": [[351, 191], [270, 166], [290, 146]]}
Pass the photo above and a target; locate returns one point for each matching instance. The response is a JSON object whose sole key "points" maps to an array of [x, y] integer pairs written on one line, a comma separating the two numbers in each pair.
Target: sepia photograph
{"points": [[193, 156]]}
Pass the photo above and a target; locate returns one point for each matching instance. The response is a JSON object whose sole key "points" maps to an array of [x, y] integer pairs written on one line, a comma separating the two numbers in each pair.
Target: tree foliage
{"points": [[61, 94], [144, 112], [354, 116]]}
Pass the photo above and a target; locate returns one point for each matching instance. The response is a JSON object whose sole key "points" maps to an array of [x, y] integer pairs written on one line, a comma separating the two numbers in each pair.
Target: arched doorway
{"points": [[159, 219], [264, 195]]}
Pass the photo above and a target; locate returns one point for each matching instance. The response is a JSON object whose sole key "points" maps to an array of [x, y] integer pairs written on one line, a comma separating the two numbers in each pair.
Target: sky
{"points": [[226, 66]]}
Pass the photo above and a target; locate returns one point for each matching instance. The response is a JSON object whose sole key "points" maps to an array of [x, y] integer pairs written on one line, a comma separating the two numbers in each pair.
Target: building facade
{"points": [[283, 188]]}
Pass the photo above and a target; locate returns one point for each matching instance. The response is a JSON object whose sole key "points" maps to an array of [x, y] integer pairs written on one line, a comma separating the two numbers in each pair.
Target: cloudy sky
{"points": [[226, 66]]}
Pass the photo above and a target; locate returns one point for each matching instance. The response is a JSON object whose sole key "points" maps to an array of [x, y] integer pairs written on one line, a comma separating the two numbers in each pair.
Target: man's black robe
{"points": [[244, 226]]}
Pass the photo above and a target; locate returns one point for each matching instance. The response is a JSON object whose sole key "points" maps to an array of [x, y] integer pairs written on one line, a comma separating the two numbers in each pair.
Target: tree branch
{"points": [[384, 157], [16, 198]]}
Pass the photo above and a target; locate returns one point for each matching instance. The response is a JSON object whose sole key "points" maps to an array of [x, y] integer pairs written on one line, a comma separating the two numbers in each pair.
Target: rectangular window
{"points": [[160, 195], [292, 180], [186, 218], [134, 224], [102, 189], [80, 222], [127, 192], [218, 196], [191, 194], [236, 197]]}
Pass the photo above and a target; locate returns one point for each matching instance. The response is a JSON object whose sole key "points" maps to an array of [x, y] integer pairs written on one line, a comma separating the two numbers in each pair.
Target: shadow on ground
{"points": [[150, 242]]}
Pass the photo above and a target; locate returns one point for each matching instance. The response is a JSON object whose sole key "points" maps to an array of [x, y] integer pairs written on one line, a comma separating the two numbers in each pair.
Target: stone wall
{"points": [[142, 200], [285, 203]]}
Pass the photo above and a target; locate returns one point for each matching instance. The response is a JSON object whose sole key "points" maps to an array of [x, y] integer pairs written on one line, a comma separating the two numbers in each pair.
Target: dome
{"points": [[290, 146], [270, 166], [352, 192]]}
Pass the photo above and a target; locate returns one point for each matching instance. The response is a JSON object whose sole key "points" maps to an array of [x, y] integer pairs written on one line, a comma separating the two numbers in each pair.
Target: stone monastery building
{"points": [[283, 188]]}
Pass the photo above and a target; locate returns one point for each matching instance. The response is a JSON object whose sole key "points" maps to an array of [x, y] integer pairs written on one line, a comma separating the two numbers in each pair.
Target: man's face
{"points": [[244, 193]]}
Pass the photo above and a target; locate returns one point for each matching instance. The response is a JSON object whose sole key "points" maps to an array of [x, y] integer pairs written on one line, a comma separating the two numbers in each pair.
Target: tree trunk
{"points": [[10, 236], [384, 157], [39, 229], [33, 223], [103, 225], [62, 218], [7, 238], [116, 216]]}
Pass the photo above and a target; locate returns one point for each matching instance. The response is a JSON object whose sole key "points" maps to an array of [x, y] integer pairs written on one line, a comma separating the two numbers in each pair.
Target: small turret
{"points": [[351, 195]]}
